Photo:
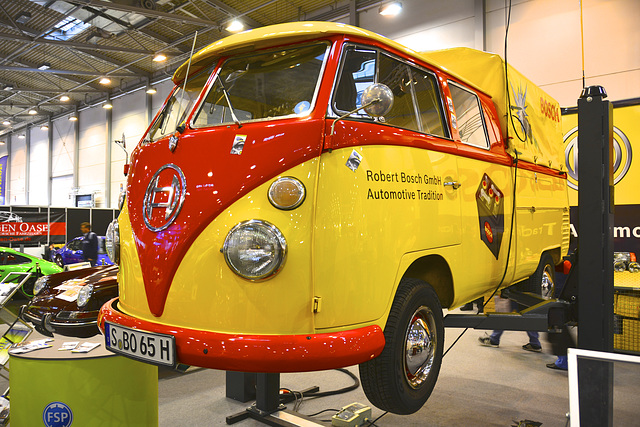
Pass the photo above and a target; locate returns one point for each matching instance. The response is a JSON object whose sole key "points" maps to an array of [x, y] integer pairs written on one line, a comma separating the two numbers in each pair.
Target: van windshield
{"points": [[267, 85], [178, 106]]}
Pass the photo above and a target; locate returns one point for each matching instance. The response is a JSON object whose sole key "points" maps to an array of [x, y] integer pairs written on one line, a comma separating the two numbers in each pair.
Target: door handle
{"points": [[454, 184]]}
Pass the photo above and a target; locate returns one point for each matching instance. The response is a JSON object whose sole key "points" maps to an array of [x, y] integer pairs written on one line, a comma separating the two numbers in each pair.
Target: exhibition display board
{"points": [[96, 388]]}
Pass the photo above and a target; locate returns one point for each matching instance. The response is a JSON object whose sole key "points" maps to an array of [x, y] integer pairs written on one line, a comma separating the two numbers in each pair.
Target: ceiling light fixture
{"points": [[73, 118], [8, 86], [6, 123], [107, 105], [44, 127], [391, 9], [23, 17], [105, 81], [33, 111], [64, 98], [21, 136], [235, 26], [44, 66], [2, 142], [160, 57], [151, 90]]}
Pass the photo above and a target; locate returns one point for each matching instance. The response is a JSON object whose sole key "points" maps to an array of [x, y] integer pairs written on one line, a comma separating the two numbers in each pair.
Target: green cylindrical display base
{"points": [[50, 388]]}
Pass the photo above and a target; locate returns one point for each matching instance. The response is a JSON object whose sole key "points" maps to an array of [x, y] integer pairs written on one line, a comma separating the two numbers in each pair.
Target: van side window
{"points": [[469, 116], [396, 75], [358, 72], [416, 104], [429, 105]]}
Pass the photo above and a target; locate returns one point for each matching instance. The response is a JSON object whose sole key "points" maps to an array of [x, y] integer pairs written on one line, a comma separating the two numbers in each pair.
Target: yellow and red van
{"points": [[311, 195]]}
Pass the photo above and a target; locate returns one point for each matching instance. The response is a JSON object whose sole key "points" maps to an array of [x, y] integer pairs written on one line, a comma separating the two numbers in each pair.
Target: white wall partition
{"points": [[17, 171], [38, 164]]}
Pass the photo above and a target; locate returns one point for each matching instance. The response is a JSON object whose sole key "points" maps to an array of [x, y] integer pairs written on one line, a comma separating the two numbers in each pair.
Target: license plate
{"points": [[149, 347]]}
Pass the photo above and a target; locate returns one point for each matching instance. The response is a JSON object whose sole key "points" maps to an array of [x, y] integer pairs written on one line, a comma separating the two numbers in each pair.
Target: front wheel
{"points": [[402, 378], [58, 259]]}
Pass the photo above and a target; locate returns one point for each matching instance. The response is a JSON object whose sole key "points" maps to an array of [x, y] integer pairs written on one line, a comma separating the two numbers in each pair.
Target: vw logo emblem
{"points": [[164, 197], [622, 156]]}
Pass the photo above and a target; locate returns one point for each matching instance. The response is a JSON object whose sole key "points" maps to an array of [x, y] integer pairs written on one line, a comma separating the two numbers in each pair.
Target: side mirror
{"points": [[377, 100]]}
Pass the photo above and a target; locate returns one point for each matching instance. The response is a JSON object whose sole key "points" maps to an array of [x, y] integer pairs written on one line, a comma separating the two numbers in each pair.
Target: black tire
{"points": [[543, 281], [27, 288], [58, 260], [396, 381]]}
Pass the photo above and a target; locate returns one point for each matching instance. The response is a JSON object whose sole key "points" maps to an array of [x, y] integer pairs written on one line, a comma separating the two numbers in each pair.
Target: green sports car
{"points": [[12, 261]]}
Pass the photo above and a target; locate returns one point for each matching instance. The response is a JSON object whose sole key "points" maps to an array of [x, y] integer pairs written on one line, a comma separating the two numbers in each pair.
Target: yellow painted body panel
{"points": [[206, 295]]}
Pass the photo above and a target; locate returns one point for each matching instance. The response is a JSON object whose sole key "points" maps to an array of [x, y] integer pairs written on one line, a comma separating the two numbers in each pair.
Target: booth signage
{"points": [[30, 227]]}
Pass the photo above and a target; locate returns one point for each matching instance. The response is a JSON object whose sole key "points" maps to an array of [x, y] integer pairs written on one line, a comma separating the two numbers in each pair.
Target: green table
{"points": [[51, 388]]}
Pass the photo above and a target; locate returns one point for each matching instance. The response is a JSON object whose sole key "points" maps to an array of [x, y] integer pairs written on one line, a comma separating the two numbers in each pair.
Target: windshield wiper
{"points": [[226, 96]]}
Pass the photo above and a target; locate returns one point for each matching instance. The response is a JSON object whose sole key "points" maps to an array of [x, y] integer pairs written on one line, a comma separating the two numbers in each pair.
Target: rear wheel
{"points": [[402, 378], [543, 281]]}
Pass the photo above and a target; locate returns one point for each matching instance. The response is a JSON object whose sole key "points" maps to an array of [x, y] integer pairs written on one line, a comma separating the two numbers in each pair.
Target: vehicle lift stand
{"points": [[593, 263], [269, 407]]}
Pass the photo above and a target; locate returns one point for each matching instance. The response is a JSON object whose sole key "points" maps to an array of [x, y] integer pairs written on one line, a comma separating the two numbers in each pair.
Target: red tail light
{"points": [[632, 256]]}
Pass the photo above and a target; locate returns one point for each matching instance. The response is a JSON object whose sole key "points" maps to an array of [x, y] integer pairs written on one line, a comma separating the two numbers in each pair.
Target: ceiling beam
{"points": [[17, 90], [74, 45], [71, 72], [144, 12]]}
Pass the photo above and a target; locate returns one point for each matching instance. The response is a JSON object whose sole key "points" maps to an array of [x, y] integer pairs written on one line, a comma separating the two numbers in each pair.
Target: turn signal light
{"points": [[287, 193]]}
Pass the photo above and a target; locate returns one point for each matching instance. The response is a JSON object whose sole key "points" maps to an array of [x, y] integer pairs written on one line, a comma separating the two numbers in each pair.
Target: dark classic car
{"points": [[68, 303], [71, 253]]}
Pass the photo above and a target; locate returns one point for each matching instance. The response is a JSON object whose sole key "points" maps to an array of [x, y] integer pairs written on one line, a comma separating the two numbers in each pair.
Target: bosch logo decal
{"points": [[622, 156], [488, 232], [164, 197]]}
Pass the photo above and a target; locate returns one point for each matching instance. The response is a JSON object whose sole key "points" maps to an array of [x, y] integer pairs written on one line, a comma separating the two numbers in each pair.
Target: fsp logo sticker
{"points": [[57, 414], [164, 197], [622, 156]]}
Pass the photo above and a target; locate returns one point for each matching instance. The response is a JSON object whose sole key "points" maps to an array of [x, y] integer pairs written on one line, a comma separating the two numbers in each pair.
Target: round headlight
{"points": [[286, 193], [84, 295], [255, 250], [39, 285], [112, 241]]}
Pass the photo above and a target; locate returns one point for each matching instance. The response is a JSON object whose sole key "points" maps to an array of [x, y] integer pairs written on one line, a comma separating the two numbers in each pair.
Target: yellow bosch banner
{"points": [[532, 116], [626, 140]]}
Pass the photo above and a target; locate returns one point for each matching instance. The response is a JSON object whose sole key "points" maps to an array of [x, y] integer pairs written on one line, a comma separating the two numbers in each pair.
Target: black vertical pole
{"points": [[595, 254], [268, 392]]}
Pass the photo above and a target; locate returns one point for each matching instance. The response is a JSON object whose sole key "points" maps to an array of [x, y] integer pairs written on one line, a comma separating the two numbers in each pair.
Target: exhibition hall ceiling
{"points": [[54, 54]]}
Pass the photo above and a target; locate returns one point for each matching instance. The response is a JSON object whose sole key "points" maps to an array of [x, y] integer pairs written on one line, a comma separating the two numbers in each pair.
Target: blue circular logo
{"points": [[57, 414]]}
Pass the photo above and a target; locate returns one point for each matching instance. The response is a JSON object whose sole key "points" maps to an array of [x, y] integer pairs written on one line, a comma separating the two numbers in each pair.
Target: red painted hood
{"points": [[214, 178]]}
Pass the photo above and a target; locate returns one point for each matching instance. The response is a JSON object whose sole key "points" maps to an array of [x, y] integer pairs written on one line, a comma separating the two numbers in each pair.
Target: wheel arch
{"points": [[434, 270]]}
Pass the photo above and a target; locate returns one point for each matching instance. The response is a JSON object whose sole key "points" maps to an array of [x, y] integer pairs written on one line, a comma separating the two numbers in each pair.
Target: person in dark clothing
{"points": [[89, 244]]}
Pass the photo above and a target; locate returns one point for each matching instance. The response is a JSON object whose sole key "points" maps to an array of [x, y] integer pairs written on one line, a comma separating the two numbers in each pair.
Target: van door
{"points": [[382, 189]]}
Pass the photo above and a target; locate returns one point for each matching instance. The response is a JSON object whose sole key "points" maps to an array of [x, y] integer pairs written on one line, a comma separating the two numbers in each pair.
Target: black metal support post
{"points": [[595, 254], [269, 408], [241, 386]]}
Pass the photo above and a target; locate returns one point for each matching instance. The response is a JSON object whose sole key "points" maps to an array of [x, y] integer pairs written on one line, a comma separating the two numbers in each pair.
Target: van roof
{"points": [[278, 34]]}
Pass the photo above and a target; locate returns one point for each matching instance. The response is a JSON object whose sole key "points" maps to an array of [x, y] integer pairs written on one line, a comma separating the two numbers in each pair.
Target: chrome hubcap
{"points": [[547, 287], [421, 342]]}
